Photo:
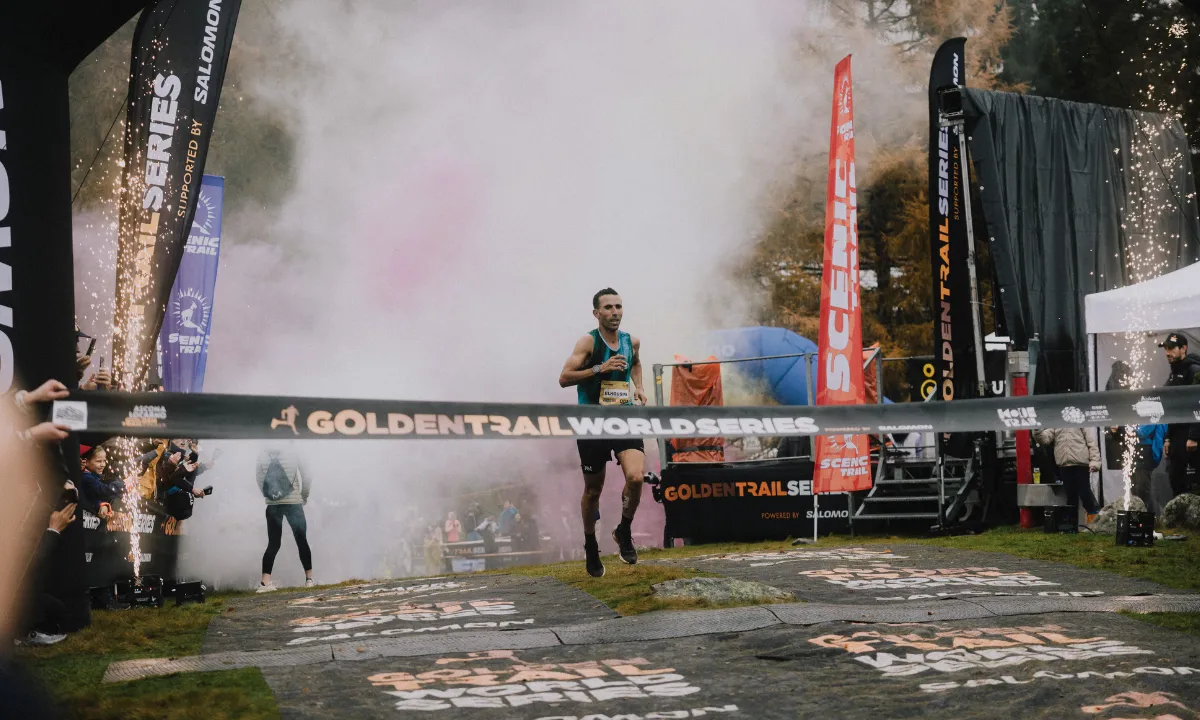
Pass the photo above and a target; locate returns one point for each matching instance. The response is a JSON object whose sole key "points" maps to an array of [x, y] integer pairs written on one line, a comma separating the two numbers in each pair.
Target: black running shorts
{"points": [[595, 454]]}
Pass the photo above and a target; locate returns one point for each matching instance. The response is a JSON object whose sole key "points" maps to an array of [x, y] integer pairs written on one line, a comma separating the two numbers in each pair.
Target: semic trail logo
{"points": [[204, 242], [191, 311], [146, 416], [7, 356]]}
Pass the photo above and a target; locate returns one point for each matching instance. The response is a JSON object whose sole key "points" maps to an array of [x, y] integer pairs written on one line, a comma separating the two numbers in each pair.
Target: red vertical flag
{"points": [[843, 460]]}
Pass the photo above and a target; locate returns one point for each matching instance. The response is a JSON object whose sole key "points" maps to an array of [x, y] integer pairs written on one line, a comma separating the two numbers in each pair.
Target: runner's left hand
{"points": [[640, 397]]}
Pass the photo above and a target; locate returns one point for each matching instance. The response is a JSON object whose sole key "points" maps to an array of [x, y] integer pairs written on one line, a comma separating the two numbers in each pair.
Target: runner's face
{"points": [[610, 311], [1175, 354]]}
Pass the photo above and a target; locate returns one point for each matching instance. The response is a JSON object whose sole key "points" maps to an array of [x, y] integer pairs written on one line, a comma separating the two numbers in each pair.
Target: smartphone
{"points": [[208, 490], [101, 362], [84, 344], [69, 495]]}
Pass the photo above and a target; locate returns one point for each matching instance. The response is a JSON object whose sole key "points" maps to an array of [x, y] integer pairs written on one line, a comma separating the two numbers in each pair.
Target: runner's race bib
{"points": [[615, 392]]}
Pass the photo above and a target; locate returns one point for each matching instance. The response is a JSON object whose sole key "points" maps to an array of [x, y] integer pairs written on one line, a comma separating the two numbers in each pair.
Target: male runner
{"points": [[608, 371]]}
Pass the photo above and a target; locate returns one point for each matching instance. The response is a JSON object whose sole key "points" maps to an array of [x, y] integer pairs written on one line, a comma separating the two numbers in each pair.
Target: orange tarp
{"points": [[697, 385]]}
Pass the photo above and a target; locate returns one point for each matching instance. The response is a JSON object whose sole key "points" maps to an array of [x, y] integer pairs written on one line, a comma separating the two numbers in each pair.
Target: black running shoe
{"points": [[623, 536], [591, 552]]}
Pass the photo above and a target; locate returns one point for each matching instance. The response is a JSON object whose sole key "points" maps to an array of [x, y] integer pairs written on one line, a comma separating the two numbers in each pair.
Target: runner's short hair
{"points": [[602, 293]]}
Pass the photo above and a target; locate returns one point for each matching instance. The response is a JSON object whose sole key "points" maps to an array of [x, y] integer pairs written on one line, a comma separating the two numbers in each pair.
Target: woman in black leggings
{"points": [[285, 487]]}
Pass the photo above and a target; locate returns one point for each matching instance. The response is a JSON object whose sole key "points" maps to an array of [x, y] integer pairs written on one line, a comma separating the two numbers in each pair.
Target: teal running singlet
{"points": [[614, 388]]}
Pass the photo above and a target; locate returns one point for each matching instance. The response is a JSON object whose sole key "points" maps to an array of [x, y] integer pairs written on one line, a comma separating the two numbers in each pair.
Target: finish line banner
{"points": [[257, 417]]}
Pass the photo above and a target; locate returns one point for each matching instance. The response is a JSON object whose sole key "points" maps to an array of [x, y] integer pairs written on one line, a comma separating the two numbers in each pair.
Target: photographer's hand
{"points": [[48, 432], [48, 391], [102, 379], [60, 519]]}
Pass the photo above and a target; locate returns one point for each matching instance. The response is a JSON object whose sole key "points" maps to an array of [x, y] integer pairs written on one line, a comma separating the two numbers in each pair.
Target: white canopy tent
{"points": [[1141, 314], [1168, 302]]}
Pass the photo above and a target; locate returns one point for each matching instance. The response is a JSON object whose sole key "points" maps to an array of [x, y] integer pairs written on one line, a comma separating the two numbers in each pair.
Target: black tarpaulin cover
{"points": [[1087, 193]]}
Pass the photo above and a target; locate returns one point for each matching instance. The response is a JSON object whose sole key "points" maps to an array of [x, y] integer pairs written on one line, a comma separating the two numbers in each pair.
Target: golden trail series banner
{"points": [[180, 50]]}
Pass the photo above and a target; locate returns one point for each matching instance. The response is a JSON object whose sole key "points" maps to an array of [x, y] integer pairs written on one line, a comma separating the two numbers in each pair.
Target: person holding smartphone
{"points": [[177, 473], [99, 380]]}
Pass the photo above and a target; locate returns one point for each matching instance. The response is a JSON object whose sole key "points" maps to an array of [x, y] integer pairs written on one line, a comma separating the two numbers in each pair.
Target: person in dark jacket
{"points": [[1182, 438], [47, 612], [176, 479], [1120, 377], [96, 495]]}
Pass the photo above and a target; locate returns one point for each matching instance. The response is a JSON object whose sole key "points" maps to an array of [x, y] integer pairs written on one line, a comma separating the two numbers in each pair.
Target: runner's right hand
{"points": [[616, 363]]}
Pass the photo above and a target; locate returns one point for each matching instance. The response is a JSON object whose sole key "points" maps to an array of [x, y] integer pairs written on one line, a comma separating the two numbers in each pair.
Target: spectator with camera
{"points": [[101, 379], [176, 474]]}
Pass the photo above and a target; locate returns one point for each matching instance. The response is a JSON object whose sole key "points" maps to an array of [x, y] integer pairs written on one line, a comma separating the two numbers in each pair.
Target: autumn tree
{"points": [[893, 218], [1141, 54]]}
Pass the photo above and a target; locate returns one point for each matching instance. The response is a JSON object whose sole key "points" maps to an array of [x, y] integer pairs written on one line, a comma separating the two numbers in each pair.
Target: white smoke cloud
{"points": [[467, 176]]}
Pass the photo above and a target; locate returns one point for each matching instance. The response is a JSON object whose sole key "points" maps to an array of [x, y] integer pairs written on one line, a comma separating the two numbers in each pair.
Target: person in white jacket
{"points": [[1077, 456]]}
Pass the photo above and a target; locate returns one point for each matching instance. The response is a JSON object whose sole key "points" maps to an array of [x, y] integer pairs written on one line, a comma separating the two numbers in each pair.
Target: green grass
{"points": [[624, 588], [1183, 622], [627, 589], [1168, 563], [72, 671]]}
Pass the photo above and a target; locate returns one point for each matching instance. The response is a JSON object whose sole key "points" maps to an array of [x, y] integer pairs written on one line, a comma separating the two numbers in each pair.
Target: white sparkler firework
{"points": [[1147, 237], [129, 472]]}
